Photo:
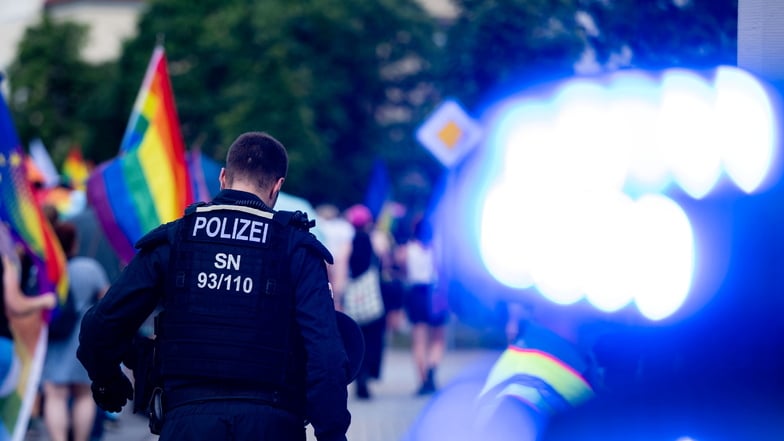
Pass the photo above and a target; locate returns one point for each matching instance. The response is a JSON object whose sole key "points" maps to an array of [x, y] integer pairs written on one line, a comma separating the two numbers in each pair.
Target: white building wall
{"points": [[761, 37], [443, 9], [110, 24], [15, 17]]}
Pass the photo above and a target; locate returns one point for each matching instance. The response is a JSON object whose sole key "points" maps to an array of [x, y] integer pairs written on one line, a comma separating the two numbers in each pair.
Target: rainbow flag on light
{"points": [[27, 225], [75, 169], [148, 183]]}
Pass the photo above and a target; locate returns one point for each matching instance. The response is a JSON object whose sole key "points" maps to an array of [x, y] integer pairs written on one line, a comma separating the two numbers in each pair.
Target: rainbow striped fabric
{"points": [[75, 170], [27, 225], [148, 183], [25, 220], [538, 378]]}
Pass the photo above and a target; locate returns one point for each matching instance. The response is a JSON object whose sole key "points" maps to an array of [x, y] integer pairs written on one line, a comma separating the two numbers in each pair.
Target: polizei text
{"points": [[231, 228]]}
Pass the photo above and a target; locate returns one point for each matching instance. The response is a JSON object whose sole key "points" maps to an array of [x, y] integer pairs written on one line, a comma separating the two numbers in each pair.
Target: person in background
{"points": [[91, 242], [425, 308], [247, 346], [392, 274], [361, 259], [338, 233], [14, 303], [68, 404]]}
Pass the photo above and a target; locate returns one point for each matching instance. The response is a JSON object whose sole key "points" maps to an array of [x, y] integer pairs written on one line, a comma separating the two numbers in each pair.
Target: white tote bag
{"points": [[362, 300]]}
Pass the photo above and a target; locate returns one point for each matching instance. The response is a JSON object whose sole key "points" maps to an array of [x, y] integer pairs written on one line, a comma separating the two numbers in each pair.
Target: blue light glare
{"points": [[687, 138], [746, 127], [494, 237], [576, 203], [663, 255], [609, 277]]}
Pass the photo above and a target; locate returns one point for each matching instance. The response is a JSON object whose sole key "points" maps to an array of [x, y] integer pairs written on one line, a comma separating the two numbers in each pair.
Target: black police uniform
{"points": [[247, 346]]}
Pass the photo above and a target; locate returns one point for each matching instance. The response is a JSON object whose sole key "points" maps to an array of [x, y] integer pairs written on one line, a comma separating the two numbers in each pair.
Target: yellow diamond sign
{"points": [[449, 133]]}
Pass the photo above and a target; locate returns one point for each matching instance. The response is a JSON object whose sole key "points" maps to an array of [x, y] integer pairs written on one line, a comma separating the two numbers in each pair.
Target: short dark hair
{"points": [[66, 233], [256, 157]]}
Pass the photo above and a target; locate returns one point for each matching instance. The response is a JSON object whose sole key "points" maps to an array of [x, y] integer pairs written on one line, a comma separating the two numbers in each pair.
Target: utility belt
{"points": [[162, 402], [180, 397], [152, 401], [158, 403]]}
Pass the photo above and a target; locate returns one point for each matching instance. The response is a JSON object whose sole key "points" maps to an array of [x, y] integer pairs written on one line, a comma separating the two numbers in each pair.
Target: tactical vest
{"points": [[228, 316]]}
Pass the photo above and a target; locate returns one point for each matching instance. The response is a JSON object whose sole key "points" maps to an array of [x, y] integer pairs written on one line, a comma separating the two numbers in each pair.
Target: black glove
{"points": [[111, 393]]}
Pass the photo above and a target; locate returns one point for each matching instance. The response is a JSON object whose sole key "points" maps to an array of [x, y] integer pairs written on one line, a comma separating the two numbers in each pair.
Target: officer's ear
{"points": [[222, 178], [273, 194]]}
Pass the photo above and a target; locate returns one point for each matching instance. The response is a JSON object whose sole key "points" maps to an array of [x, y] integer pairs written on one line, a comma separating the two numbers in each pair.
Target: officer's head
{"points": [[257, 163]]}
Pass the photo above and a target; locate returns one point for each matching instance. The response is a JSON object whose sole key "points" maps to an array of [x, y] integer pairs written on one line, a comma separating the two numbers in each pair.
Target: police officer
{"points": [[246, 346]]}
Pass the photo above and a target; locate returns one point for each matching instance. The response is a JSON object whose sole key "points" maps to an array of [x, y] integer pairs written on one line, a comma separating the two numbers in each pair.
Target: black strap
{"points": [[181, 397], [298, 219]]}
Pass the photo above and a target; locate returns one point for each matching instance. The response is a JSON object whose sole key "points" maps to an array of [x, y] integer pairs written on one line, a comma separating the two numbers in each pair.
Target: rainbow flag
{"points": [[25, 220], [148, 183], [30, 343], [26, 225], [75, 169], [204, 172]]}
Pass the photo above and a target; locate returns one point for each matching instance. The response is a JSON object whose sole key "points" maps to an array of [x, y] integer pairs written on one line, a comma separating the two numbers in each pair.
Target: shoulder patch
{"points": [[155, 237]]}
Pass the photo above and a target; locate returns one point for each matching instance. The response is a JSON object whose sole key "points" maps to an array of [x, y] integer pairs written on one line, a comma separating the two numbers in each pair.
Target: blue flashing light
{"points": [[746, 127], [572, 193]]}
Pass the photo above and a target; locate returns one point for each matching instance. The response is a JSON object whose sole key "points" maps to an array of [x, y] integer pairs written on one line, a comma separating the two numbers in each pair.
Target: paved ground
{"points": [[388, 416]]}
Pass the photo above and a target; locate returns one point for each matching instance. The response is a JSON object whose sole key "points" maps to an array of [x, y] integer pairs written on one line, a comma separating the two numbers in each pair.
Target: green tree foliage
{"points": [[659, 34], [100, 111], [47, 83], [338, 82], [495, 45], [343, 82], [498, 44]]}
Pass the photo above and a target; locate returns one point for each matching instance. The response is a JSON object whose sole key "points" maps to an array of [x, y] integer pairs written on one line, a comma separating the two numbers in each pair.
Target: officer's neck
{"points": [[262, 194]]}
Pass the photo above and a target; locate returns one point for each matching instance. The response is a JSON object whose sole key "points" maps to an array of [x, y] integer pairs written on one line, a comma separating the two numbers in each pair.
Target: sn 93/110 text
{"points": [[225, 282]]}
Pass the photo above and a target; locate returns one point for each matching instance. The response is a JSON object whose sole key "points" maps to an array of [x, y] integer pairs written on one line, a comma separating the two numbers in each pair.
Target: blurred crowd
{"points": [[394, 250], [397, 246]]}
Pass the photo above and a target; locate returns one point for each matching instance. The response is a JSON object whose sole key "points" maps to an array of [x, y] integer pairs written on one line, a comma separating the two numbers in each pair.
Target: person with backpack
{"points": [[247, 344], [64, 378]]}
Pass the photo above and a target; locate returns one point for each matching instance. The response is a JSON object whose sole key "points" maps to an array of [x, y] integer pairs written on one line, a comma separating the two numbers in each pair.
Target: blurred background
{"points": [[611, 165], [340, 83]]}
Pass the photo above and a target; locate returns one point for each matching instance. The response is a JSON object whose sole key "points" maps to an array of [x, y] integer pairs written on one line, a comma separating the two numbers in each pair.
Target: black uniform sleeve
{"points": [[327, 362], [109, 327]]}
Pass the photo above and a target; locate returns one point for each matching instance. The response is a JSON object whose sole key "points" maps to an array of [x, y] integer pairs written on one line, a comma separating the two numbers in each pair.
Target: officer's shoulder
{"points": [[311, 242], [159, 235], [190, 209], [302, 225], [297, 219]]}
